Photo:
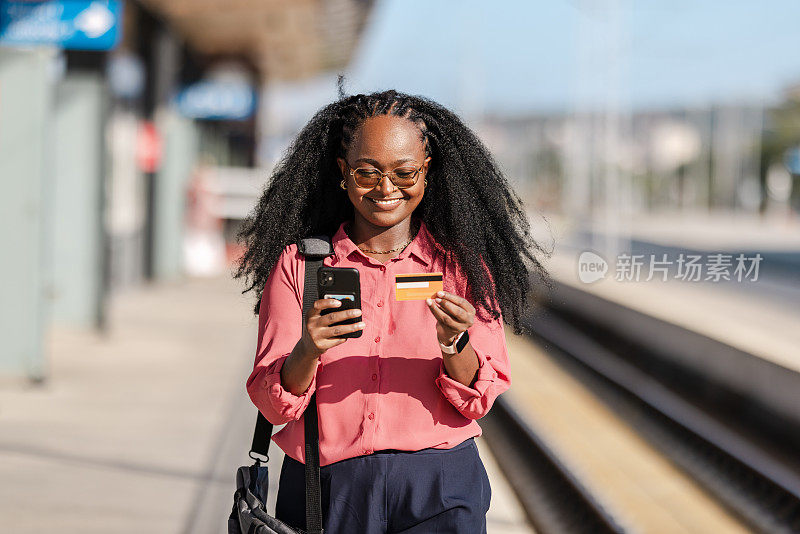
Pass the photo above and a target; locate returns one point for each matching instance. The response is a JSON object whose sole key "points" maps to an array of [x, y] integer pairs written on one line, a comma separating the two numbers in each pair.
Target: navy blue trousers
{"points": [[427, 491]]}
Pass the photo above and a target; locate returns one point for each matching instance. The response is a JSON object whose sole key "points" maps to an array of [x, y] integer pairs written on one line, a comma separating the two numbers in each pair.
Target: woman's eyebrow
{"points": [[376, 164]]}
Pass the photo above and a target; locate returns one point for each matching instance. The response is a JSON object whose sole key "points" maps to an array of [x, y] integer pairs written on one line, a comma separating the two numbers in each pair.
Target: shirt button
{"points": [[374, 376], [380, 303], [371, 416], [377, 339]]}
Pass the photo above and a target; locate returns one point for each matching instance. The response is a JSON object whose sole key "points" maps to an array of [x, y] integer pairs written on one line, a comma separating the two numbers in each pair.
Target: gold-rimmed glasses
{"points": [[403, 176]]}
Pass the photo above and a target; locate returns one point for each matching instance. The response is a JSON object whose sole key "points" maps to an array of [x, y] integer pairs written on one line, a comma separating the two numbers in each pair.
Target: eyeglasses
{"points": [[403, 177]]}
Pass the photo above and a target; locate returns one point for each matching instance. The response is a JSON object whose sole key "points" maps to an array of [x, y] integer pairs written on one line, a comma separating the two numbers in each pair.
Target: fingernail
{"points": [[429, 301], [361, 325], [356, 312], [438, 301], [338, 303], [440, 293]]}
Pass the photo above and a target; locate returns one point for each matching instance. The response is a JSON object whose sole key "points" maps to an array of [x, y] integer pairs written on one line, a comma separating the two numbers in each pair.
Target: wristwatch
{"points": [[458, 344]]}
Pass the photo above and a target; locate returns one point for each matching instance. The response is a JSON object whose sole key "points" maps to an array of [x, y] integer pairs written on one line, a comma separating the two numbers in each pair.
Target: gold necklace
{"points": [[394, 249]]}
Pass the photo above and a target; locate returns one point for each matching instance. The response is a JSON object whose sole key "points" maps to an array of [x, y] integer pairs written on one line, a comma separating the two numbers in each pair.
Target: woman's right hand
{"points": [[319, 335]]}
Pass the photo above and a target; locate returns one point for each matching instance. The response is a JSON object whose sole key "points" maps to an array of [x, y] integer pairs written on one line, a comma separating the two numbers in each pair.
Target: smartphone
{"points": [[344, 285]]}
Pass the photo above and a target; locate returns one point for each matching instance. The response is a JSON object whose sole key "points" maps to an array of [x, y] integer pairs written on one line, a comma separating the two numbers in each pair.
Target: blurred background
{"points": [[656, 147]]}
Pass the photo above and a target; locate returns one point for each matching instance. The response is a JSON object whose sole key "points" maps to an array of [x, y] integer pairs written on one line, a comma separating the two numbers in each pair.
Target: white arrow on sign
{"points": [[95, 20]]}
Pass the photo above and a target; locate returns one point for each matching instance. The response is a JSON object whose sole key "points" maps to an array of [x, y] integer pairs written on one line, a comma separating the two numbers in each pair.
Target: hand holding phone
{"points": [[335, 317], [342, 284], [319, 335]]}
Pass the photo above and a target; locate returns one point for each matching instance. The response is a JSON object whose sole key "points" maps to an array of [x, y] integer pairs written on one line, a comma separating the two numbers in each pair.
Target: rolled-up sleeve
{"points": [[487, 338], [279, 329]]}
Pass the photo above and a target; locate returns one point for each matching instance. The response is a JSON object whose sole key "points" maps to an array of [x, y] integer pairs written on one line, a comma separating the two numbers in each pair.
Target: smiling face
{"points": [[385, 142]]}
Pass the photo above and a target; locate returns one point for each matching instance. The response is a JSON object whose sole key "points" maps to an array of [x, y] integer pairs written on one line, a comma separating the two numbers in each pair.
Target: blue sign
{"points": [[73, 24], [792, 160], [217, 100]]}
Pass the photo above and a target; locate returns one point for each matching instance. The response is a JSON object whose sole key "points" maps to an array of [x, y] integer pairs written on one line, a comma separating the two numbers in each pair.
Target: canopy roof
{"points": [[284, 39]]}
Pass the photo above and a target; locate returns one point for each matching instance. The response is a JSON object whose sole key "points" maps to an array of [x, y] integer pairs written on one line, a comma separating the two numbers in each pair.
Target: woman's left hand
{"points": [[453, 315]]}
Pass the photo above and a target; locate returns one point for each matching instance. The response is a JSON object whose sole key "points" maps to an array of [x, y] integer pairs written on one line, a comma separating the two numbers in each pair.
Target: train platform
{"points": [[757, 314], [141, 429], [751, 321]]}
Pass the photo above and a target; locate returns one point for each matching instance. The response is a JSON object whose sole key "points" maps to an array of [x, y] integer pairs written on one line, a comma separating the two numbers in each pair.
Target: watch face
{"points": [[462, 341]]}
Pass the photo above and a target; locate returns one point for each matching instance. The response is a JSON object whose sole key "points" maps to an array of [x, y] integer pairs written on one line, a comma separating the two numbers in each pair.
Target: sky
{"points": [[508, 57], [557, 54]]}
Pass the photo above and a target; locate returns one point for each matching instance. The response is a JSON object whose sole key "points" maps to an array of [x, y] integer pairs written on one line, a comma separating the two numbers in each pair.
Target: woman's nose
{"points": [[385, 186]]}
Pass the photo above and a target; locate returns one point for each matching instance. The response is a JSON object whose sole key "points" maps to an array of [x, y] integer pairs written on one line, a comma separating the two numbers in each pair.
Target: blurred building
{"points": [[693, 159], [128, 134]]}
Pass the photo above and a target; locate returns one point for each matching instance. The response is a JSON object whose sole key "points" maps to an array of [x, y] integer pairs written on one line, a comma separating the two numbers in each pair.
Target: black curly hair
{"points": [[468, 207]]}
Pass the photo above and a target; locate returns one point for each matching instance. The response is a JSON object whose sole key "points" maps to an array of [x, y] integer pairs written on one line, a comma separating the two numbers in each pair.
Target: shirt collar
{"points": [[422, 246]]}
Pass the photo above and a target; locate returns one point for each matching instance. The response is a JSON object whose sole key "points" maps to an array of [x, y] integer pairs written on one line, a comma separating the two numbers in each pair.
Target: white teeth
{"points": [[385, 201]]}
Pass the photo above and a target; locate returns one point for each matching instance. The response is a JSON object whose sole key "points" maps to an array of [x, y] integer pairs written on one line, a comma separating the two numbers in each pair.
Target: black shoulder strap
{"points": [[314, 250]]}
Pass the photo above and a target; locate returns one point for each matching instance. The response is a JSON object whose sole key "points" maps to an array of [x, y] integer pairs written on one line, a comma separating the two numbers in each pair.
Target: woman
{"points": [[402, 186]]}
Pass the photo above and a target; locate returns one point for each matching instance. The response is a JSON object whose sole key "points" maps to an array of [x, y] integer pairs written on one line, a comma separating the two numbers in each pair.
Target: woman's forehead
{"points": [[387, 138]]}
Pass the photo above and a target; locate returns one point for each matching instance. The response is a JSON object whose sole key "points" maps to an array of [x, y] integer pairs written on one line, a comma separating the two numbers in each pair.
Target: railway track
{"points": [[553, 498], [745, 463]]}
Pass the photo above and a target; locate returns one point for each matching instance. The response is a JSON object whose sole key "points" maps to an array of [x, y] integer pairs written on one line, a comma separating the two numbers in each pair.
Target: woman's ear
{"points": [[342, 166]]}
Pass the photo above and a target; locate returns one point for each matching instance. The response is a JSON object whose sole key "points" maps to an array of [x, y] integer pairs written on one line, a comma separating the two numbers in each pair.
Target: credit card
{"points": [[417, 286]]}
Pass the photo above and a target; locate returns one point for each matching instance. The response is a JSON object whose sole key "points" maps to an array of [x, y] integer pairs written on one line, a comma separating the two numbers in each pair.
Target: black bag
{"points": [[249, 514]]}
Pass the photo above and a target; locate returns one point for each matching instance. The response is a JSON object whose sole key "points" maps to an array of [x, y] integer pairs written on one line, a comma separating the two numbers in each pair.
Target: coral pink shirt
{"points": [[387, 389]]}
